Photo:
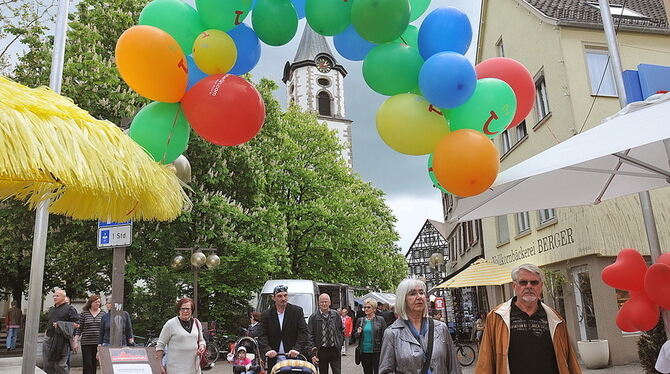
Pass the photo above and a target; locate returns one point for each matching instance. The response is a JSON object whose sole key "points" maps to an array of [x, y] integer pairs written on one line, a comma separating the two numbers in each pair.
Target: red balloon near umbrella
{"points": [[517, 76], [224, 109], [627, 272]]}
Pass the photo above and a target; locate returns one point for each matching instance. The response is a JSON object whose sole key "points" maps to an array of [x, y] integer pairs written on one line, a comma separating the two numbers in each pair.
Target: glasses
{"points": [[184, 309], [525, 282], [367, 307]]}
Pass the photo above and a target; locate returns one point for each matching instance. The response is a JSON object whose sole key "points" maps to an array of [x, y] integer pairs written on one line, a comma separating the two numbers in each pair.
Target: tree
{"points": [[649, 346]]}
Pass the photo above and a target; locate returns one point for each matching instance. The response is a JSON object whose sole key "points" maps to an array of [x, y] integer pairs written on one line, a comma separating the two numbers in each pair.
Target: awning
{"points": [[481, 273], [50, 148], [386, 298]]}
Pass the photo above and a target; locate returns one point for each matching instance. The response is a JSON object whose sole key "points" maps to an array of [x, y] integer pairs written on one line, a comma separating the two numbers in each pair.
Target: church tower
{"points": [[315, 82]]}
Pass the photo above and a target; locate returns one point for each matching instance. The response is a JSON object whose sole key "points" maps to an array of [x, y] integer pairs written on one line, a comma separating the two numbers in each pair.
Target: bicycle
{"points": [[464, 353]]}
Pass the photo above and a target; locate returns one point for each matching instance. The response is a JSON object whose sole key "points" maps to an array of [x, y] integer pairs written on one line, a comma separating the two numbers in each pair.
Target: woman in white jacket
{"points": [[183, 336]]}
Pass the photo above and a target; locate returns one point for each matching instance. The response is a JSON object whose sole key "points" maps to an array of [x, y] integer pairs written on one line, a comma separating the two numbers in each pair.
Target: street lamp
{"points": [[435, 262], [197, 259]]}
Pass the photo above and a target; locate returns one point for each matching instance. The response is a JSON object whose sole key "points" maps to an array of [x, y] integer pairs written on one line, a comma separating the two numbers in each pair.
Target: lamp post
{"points": [[435, 262], [197, 259]]}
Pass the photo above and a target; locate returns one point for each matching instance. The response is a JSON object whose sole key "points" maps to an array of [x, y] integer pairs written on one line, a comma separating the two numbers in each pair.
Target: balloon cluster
{"points": [[188, 62], [649, 289]]}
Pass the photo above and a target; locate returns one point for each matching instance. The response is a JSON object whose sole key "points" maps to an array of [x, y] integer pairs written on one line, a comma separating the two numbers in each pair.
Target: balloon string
{"points": [[169, 139], [403, 40]]}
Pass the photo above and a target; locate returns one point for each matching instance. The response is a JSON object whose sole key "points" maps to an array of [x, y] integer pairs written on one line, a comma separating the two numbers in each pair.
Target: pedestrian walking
{"points": [[479, 328], [61, 323], [254, 328], [524, 335], [183, 337], [415, 343], [88, 333], [369, 331], [13, 322], [106, 324], [326, 334], [283, 331], [348, 325]]}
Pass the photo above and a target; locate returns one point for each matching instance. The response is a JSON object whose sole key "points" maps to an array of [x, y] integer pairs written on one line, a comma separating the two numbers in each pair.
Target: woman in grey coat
{"points": [[405, 344]]}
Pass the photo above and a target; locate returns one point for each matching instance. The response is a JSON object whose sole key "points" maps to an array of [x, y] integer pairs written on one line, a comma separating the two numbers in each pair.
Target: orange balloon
{"points": [[466, 162], [152, 63]]}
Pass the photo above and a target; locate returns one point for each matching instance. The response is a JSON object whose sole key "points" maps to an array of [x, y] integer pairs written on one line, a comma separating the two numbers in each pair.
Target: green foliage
{"points": [[649, 346], [281, 205]]}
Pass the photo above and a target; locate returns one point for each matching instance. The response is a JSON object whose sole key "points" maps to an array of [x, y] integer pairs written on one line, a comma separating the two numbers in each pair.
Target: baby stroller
{"points": [[300, 365], [252, 364]]}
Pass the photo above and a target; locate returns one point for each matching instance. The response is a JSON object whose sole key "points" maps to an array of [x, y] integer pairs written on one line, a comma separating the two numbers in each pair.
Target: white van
{"points": [[301, 292]]}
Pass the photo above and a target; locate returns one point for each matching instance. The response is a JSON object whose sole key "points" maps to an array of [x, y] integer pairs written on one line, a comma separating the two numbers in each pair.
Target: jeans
{"points": [[88, 353], [12, 333], [370, 362], [330, 356], [345, 345]]}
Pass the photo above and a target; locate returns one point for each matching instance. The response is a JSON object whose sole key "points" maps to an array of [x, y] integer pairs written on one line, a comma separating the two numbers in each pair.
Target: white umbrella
{"points": [[626, 154]]}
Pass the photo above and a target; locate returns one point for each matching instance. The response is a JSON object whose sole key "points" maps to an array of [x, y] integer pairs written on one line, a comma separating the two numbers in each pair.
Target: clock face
{"points": [[323, 64]]}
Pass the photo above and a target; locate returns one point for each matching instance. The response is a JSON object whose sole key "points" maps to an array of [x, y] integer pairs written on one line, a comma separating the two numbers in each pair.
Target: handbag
{"points": [[357, 351], [429, 351], [202, 362]]}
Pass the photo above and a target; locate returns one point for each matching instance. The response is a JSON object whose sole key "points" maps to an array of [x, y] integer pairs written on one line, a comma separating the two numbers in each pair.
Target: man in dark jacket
{"points": [[61, 322], [326, 335], [283, 331]]}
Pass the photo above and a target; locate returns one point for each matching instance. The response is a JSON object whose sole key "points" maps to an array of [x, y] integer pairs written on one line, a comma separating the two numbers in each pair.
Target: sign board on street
{"points": [[439, 303], [115, 234]]}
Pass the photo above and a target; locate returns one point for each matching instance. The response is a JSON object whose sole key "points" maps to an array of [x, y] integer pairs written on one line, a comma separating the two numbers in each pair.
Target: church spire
{"points": [[312, 45]]}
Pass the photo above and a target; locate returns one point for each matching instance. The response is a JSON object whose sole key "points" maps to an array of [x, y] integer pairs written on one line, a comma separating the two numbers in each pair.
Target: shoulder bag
{"points": [[429, 351], [357, 351], [202, 362]]}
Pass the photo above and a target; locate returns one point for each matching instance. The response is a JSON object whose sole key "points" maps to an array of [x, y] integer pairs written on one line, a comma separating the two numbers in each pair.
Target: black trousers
{"points": [[330, 356], [370, 363], [88, 353]]}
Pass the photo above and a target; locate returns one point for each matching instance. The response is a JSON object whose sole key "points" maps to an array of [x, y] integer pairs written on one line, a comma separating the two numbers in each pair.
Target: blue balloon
{"points": [[447, 80], [352, 46], [299, 6], [248, 49], [194, 73], [444, 30]]}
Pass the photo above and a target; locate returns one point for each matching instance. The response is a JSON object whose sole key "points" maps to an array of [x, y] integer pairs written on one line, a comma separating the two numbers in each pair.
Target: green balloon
{"points": [[328, 17], [274, 21], [162, 130], [410, 36], [223, 14], [380, 21], [176, 18], [490, 109], [417, 8], [432, 176], [392, 68]]}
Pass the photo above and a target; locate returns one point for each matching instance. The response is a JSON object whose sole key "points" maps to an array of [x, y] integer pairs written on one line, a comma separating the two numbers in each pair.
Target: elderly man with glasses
{"points": [[283, 330], [524, 335]]}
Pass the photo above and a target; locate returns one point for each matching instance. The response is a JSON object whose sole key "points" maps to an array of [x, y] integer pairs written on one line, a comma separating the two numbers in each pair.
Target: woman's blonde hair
{"points": [[370, 301], [404, 288]]}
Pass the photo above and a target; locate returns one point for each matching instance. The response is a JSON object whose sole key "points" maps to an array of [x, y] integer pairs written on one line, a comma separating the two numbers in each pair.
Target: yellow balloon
{"points": [[214, 52], [409, 124]]}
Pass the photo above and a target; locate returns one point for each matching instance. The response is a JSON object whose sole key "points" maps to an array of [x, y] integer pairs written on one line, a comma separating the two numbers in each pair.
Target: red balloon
{"points": [[664, 259], [638, 314], [517, 76], [224, 109], [657, 284], [627, 272]]}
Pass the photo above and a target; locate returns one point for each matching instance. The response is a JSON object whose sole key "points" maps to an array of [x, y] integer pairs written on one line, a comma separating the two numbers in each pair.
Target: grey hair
{"points": [[61, 291], [404, 288], [529, 268], [370, 301]]}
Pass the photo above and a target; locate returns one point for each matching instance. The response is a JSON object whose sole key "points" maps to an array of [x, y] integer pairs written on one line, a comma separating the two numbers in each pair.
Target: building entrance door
{"points": [[588, 328]]}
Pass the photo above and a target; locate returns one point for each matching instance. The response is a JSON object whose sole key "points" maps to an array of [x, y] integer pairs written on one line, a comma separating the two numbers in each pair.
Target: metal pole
{"points": [[195, 292], [42, 212], [645, 199], [116, 338]]}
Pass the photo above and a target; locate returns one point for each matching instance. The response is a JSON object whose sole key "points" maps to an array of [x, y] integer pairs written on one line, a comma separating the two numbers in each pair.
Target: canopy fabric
{"points": [[50, 148], [626, 154], [480, 273], [386, 298]]}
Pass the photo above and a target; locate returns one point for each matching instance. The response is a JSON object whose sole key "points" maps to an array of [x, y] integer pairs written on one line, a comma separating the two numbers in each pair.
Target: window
{"points": [[522, 222], [547, 215], [541, 100], [601, 76], [500, 48], [426, 253], [415, 254], [503, 229], [521, 131], [324, 82], [324, 103], [620, 11], [504, 142]]}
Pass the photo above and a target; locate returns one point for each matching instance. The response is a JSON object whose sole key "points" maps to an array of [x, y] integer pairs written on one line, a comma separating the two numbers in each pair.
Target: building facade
{"points": [[563, 45], [315, 82]]}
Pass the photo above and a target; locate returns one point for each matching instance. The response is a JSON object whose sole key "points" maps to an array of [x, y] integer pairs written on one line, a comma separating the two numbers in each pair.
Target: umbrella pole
{"points": [[42, 214], [645, 200]]}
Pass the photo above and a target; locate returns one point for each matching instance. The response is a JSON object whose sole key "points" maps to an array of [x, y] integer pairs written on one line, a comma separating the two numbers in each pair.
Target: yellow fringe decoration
{"points": [[50, 148]]}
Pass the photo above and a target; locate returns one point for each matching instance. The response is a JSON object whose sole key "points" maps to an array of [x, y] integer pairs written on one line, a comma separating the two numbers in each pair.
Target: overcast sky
{"points": [[404, 179]]}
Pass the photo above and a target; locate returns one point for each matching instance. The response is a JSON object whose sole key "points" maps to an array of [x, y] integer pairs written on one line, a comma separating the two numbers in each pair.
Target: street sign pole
{"points": [[118, 275]]}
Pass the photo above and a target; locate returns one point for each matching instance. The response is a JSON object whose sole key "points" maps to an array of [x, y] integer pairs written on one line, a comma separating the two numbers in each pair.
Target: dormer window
{"points": [[621, 11]]}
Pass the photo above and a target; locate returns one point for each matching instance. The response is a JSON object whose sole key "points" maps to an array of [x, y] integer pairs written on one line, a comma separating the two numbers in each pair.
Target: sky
{"points": [[404, 179]]}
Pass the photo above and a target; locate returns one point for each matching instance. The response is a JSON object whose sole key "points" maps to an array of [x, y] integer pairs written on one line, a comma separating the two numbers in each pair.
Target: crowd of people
{"points": [[521, 335]]}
